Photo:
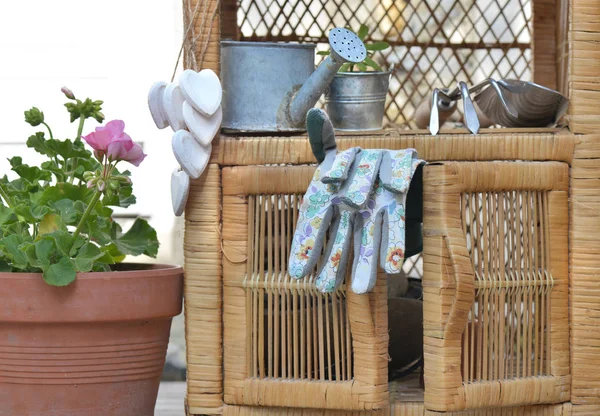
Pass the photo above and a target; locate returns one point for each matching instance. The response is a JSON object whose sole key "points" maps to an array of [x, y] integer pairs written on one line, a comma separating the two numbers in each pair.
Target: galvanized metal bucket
{"points": [[356, 100], [257, 78]]}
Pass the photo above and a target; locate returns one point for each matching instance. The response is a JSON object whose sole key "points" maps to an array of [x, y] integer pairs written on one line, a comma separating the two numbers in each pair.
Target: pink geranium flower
{"points": [[112, 141]]}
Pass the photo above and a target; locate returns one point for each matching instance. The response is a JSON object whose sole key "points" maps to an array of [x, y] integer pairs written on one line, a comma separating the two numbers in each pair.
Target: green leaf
{"points": [[65, 190], [88, 254], [67, 149], [32, 213], [52, 167], [5, 267], [45, 251], [64, 242], [101, 267], [61, 273], [69, 212], [370, 62], [140, 239], [15, 161], [32, 174], [123, 199], [50, 223], [363, 31], [38, 143], [19, 228], [7, 215], [324, 53], [361, 66], [10, 246], [346, 67], [377, 46]]}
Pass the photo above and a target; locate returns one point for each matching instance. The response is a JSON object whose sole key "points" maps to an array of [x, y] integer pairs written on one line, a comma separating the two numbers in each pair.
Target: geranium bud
{"points": [[123, 179], [113, 184], [68, 93], [34, 117], [101, 185], [91, 184], [88, 175], [99, 155]]}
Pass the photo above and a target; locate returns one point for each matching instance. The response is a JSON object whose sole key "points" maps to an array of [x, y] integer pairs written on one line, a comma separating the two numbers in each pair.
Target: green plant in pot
{"points": [[355, 99], [80, 330]]}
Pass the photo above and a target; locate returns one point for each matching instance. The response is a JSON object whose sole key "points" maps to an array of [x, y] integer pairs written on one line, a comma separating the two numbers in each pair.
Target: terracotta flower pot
{"points": [[96, 347]]}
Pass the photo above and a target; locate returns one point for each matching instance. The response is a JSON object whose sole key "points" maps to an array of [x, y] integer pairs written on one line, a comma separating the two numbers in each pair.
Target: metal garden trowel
{"points": [[534, 105], [508, 103]]}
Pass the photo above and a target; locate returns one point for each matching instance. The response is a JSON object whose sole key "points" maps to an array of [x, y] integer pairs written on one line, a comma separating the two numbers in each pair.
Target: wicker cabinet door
{"points": [[285, 343], [496, 329]]}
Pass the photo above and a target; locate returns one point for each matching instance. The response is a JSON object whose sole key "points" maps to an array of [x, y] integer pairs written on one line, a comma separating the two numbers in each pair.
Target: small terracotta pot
{"points": [[95, 347]]}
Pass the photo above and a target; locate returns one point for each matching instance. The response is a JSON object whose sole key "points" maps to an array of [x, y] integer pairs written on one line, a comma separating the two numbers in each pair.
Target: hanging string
{"points": [[190, 38]]}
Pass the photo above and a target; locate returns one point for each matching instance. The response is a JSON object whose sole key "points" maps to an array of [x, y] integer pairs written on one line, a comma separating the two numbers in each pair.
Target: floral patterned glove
{"points": [[317, 212], [379, 237], [354, 192], [376, 220], [353, 195], [319, 203]]}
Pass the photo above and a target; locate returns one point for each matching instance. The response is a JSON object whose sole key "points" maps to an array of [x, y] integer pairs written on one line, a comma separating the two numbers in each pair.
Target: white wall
{"points": [[112, 50]]}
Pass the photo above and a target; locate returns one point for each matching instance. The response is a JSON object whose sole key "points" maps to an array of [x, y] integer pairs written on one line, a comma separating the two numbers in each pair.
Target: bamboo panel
{"points": [[203, 297], [589, 410], [584, 52], [562, 46], [229, 27], [404, 409], [544, 43], [498, 144], [205, 52], [285, 343], [495, 289], [584, 218], [283, 411]]}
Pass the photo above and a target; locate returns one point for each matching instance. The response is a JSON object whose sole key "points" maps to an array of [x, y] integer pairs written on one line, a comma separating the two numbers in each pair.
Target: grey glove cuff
{"points": [[320, 133]]}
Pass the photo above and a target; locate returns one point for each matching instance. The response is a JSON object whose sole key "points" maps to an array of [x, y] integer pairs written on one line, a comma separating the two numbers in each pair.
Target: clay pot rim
{"points": [[148, 291], [147, 270]]}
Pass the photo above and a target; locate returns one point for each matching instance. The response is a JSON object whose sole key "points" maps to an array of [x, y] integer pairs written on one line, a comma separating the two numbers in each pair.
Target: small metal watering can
{"points": [[269, 87]]}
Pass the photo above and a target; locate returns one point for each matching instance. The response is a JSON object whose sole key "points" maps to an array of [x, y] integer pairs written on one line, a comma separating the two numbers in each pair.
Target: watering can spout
{"points": [[345, 46]]}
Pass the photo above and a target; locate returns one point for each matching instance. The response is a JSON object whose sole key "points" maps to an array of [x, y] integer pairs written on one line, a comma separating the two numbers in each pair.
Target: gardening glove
{"points": [[354, 193], [380, 230], [319, 202], [376, 221]]}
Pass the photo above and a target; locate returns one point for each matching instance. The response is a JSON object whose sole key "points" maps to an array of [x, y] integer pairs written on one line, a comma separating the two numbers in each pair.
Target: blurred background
{"points": [[112, 50]]}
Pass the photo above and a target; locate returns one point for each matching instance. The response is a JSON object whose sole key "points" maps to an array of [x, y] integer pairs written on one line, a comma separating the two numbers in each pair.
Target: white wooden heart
{"points": [[180, 189], [203, 128], [191, 155], [202, 90], [173, 104], [155, 103]]}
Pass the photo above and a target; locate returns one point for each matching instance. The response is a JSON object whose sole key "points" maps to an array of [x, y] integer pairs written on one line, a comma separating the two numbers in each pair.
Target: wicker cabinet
{"points": [[285, 343], [496, 284], [511, 221], [496, 279]]}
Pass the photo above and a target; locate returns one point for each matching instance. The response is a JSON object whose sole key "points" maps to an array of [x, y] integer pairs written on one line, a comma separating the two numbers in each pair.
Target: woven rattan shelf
{"points": [[511, 263]]}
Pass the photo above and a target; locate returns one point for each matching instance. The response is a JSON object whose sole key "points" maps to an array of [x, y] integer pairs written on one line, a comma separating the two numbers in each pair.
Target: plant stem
{"points": [[49, 130], [77, 139], [86, 214], [6, 198], [80, 129]]}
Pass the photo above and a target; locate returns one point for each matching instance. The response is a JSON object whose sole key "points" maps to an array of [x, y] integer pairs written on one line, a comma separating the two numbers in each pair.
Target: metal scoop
{"points": [[443, 105], [533, 105]]}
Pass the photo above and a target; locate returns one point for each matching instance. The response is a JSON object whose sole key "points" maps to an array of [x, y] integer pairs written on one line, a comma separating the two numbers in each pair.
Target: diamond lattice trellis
{"points": [[435, 43]]}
